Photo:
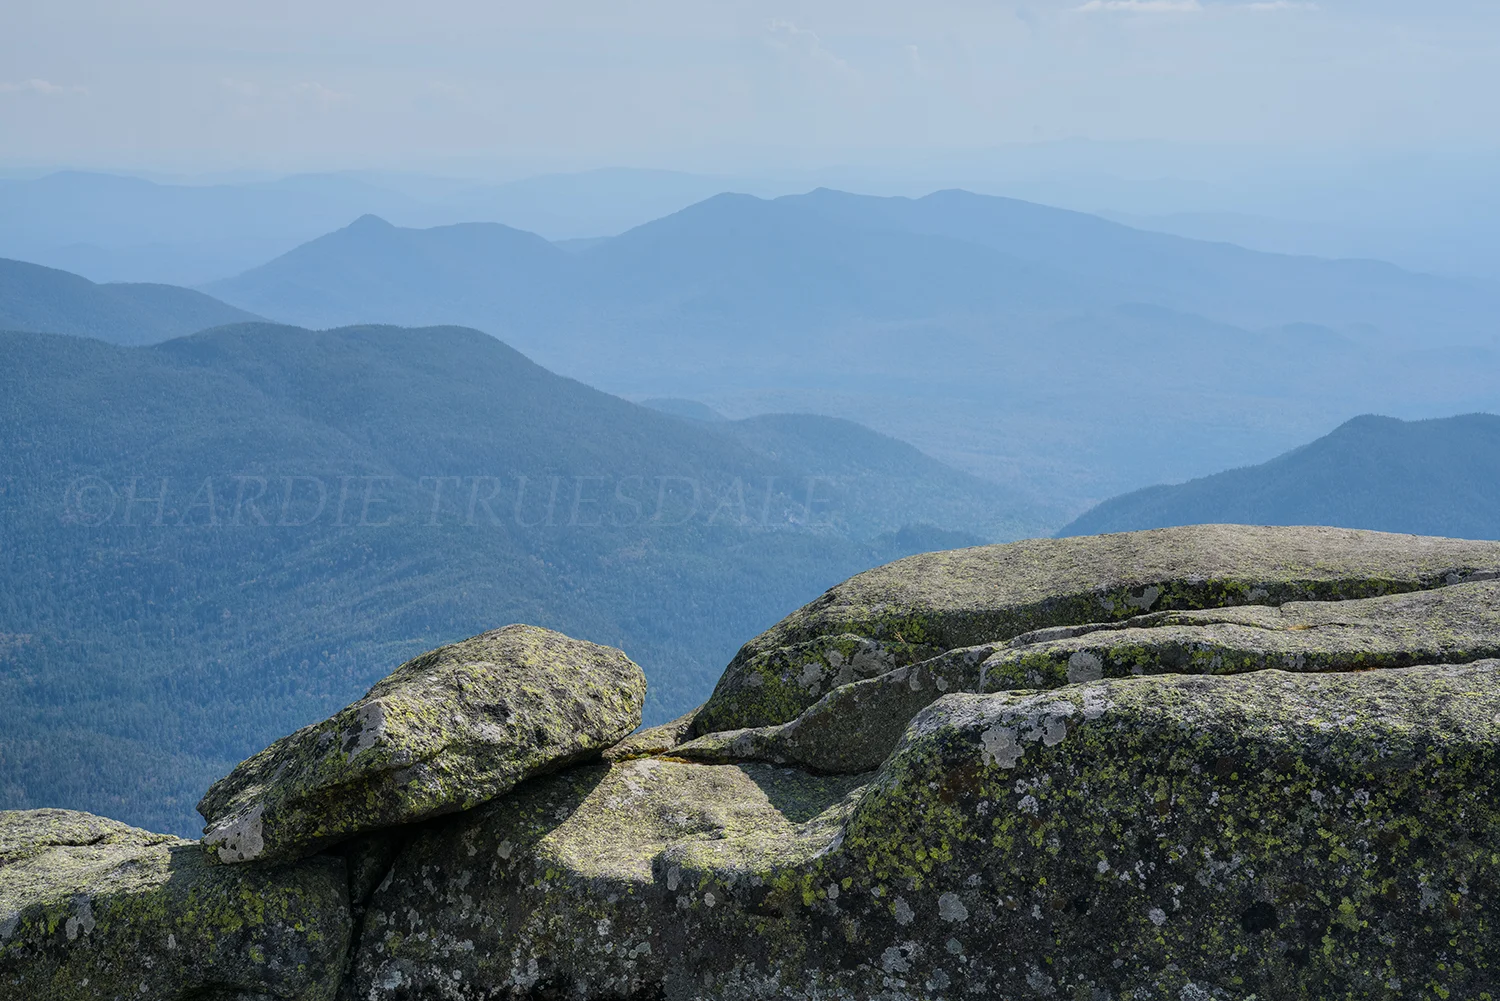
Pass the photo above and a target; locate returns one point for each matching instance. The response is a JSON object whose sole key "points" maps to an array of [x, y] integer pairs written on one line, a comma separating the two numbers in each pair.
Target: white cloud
{"points": [[254, 99], [43, 87], [242, 88], [324, 97], [1143, 6], [1189, 6], [444, 90], [805, 43]]}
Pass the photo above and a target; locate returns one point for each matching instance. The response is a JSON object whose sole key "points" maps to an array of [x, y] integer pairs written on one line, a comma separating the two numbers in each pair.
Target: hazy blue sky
{"points": [[294, 84]]}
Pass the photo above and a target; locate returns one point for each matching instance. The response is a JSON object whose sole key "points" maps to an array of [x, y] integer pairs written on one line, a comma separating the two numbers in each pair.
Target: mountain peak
{"points": [[369, 222]]}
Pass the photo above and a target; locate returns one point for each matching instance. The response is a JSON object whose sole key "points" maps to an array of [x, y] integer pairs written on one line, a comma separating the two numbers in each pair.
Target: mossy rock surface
{"points": [[654, 740], [1271, 835], [916, 608], [570, 883], [447, 731], [93, 910], [854, 727]]}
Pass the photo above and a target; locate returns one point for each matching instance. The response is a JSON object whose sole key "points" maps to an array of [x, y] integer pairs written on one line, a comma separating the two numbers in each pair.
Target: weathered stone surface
{"points": [[570, 882], [854, 727], [654, 739], [447, 731], [93, 909], [1264, 835], [921, 606]]}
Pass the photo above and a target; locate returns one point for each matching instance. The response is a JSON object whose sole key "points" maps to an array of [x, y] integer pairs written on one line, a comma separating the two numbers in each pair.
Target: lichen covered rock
{"points": [[919, 607], [447, 731], [571, 882], [653, 740], [1266, 835], [1171, 766], [93, 909], [854, 727]]}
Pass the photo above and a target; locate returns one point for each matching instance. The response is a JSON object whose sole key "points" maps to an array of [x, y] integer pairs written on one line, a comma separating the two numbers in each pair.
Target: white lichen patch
{"points": [[1095, 702], [1001, 746], [369, 726], [811, 677], [241, 839], [82, 919], [904, 914], [1084, 666], [952, 909]]}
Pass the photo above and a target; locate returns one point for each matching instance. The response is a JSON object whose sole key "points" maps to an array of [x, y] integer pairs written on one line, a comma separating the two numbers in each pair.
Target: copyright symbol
{"points": [[89, 501]]}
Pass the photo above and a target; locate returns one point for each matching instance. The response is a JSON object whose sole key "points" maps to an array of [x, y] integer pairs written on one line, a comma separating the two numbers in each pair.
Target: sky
{"points": [[723, 84]]}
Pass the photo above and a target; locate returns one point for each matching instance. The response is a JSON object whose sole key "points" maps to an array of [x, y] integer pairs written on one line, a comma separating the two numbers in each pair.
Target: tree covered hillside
{"points": [[215, 540]]}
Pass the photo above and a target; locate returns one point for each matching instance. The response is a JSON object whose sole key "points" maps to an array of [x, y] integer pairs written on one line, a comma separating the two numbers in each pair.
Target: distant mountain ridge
{"points": [[1431, 477], [367, 271], [800, 256], [111, 227], [1070, 355], [49, 301]]}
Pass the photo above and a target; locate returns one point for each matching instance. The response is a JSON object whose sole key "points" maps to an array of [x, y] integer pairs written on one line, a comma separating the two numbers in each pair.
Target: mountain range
{"points": [[44, 299], [1435, 213], [1068, 357], [119, 228], [1058, 352], [831, 255], [216, 539], [1432, 477], [271, 517]]}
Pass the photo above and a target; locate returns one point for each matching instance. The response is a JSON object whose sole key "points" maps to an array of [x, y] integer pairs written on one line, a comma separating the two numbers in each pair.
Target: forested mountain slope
{"points": [[219, 538]]}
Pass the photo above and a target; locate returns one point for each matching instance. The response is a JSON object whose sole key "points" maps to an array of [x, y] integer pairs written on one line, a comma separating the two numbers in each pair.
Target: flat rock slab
{"points": [[93, 910], [854, 727], [919, 607], [1272, 834], [447, 731], [1453, 624]]}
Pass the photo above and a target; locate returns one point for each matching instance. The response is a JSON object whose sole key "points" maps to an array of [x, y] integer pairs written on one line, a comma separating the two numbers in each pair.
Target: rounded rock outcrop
{"points": [[93, 910], [918, 607], [445, 732]]}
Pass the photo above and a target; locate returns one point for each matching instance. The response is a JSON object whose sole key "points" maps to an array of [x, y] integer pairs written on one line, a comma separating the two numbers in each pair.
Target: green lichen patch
{"points": [[91, 909], [914, 608], [447, 731]]}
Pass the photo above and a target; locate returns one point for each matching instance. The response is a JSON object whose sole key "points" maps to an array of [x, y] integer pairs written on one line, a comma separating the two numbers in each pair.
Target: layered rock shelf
{"points": [[1248, 764]]}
